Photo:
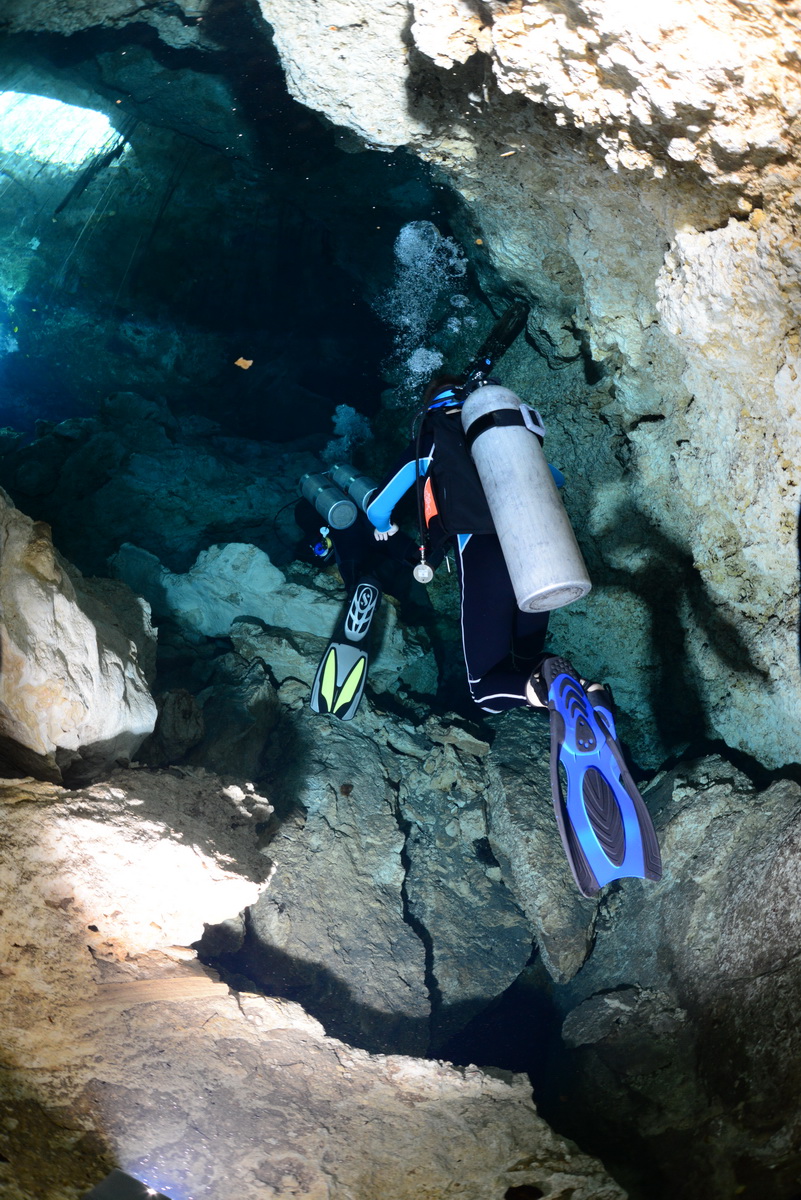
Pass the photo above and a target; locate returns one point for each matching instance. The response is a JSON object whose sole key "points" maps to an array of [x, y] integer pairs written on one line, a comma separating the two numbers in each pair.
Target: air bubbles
{"points": [[429, 270]]}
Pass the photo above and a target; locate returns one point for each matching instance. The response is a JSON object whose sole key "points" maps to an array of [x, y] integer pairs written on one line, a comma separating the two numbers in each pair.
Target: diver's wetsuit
{"points": [[502, 645]]}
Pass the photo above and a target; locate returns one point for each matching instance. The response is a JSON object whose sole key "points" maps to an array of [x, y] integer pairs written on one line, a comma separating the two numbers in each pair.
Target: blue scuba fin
{"points": [[606, 830], [339, 683]]}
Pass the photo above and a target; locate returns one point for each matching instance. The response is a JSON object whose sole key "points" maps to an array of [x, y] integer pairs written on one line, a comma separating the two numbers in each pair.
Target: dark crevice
{"points": [[415, 924], [484, 853], [756, 772], [647, 419], [518, 1031]]}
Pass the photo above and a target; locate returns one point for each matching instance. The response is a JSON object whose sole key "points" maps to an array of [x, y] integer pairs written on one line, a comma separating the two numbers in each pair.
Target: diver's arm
{"points": [[379, 510]]}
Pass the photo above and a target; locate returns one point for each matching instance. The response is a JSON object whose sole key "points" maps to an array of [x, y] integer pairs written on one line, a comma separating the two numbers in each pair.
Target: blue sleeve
{"points": [[379, 510]]}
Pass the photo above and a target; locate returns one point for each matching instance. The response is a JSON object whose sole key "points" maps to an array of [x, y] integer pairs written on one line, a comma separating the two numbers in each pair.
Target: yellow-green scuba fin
{"points": [[339, 683]]}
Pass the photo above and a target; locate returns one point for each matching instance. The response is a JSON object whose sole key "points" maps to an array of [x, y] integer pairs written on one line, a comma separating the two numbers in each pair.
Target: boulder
{"points": [[684, 1017], [388, 917], [76, 656], [235, 591], [524, 838]]}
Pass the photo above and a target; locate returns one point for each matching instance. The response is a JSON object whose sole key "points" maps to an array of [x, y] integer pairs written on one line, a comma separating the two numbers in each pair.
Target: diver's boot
{"points": [[536, 687]]}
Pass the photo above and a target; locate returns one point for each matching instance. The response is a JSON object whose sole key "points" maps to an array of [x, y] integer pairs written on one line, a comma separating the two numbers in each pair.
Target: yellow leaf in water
{"points": [[244, 363]]}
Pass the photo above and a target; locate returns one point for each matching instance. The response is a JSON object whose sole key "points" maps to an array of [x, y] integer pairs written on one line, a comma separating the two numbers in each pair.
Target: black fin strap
{"points": [[498, 416]]}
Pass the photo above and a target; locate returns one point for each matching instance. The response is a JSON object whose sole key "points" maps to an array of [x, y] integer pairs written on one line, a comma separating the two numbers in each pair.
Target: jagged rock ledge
{"points": [[119, 1050]]}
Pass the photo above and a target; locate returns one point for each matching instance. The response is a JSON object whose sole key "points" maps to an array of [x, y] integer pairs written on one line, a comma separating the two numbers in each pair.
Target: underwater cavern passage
{"points": [[210, 289]]}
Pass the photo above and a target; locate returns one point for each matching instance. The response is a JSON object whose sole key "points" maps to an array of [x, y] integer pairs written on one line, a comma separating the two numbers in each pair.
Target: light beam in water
{"points": [[50, 131]]}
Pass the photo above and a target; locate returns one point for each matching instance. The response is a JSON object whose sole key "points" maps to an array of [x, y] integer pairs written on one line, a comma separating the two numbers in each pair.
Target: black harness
{"points": [[461, 504], [498, 417]]}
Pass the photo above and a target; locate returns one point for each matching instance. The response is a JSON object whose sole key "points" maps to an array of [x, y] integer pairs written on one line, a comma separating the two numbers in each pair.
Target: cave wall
{"points": [[634, 177], [635, 174], [613, 191]]}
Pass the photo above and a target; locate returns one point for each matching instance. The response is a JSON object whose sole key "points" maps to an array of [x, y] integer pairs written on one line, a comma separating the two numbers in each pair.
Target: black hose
{"points": [[418, 481], [289, 504]]}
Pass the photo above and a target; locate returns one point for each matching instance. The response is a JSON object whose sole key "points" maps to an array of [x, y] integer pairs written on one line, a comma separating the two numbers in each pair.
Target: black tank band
{"points": [[498, 416]]}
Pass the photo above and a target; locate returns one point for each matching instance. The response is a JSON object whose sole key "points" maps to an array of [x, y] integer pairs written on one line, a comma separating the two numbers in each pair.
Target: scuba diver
{"points": [[503, 646], [368, 568], [484, 486]]}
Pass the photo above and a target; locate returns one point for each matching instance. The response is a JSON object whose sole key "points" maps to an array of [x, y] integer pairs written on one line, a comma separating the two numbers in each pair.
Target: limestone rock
{"points": [[41, 15], [388, 916], [235, 590], [226, 582], [240, 710], [102, 850], [353, 41], [119, 1051], [624, 78], [74, 696], [449, 33], [331, 932], [398, 654], [524, 838], [691, 993], [179, 727], [477, 938]]}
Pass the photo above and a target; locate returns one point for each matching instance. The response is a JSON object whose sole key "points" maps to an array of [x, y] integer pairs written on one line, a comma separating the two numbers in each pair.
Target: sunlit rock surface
{"points": [[225, 582], [119, 1050], [634, 172], [76, 656]]}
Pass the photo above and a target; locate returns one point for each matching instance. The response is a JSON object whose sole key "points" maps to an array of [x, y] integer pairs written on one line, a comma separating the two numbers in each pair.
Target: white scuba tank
{"points": [[539, 547]]}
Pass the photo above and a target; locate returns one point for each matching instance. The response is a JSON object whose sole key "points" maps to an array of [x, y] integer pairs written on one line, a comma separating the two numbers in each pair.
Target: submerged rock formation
{"points": [[634, 174], [689, 1000], [76, 658], [119, 1051], [387, 917], [415, 865]]}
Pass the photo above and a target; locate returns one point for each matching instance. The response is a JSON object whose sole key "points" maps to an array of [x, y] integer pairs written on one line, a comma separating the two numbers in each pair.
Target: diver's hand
{"points": [[382, 537]]}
